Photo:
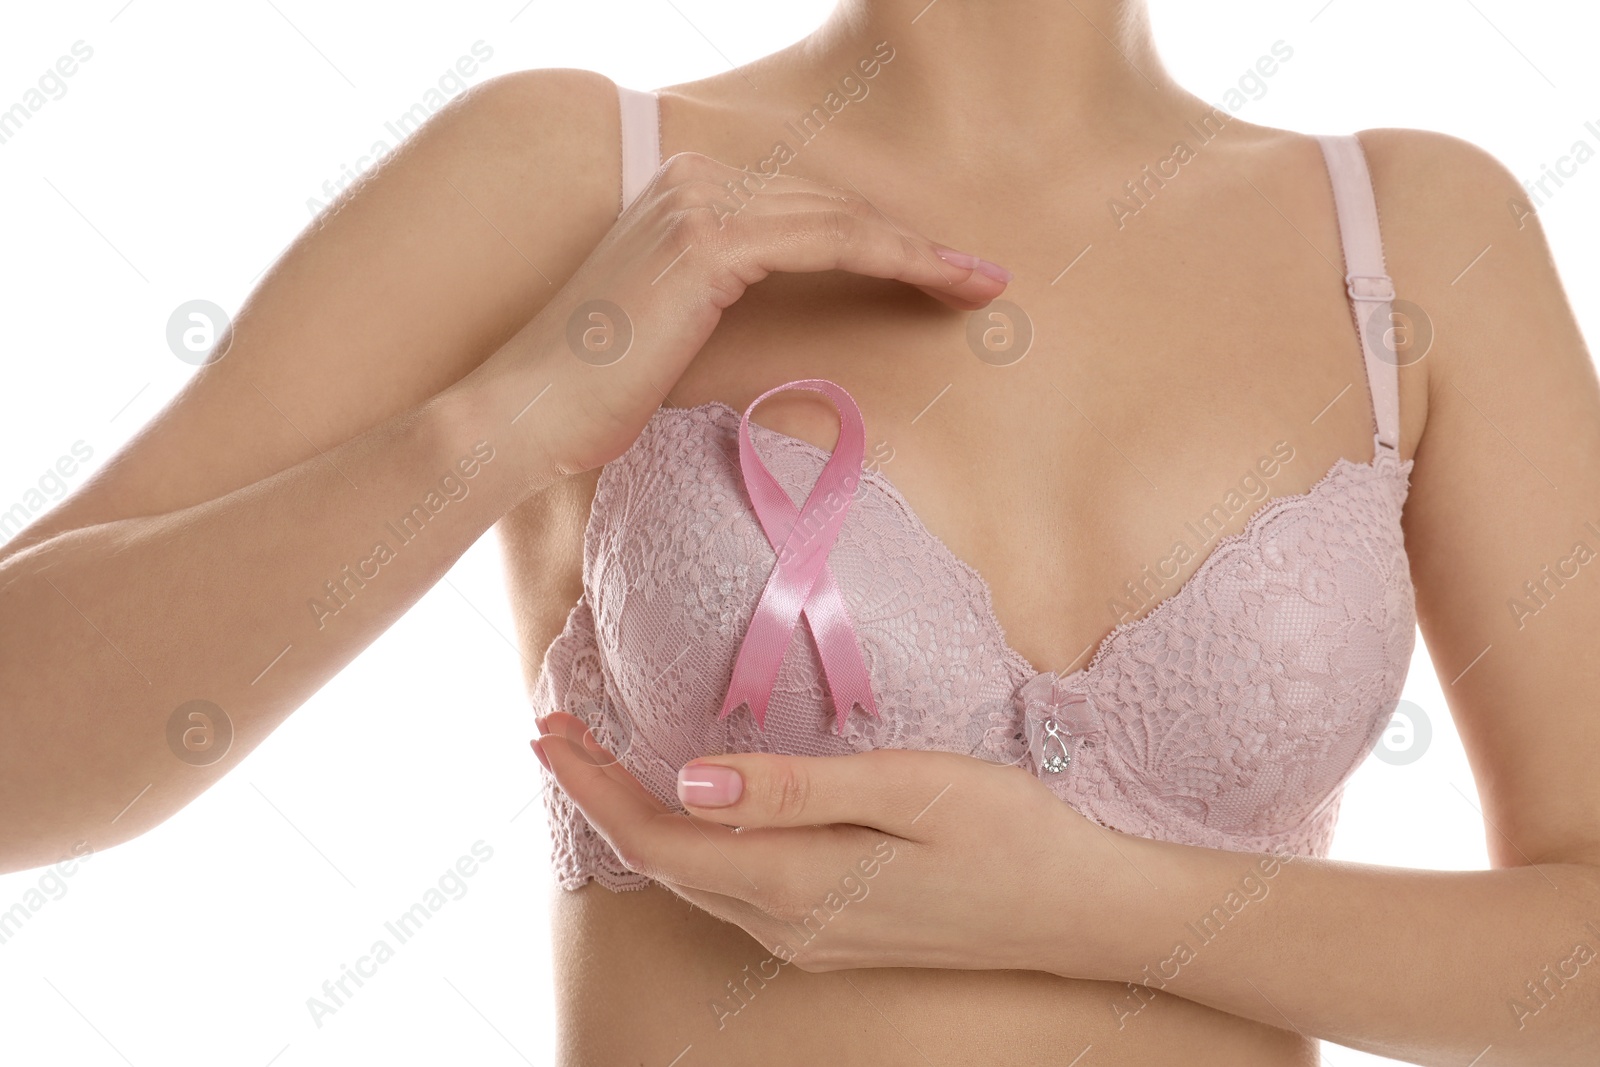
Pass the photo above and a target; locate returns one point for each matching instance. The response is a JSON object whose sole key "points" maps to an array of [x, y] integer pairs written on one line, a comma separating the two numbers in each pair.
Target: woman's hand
{"points": [[603, 353], [886, 858]]}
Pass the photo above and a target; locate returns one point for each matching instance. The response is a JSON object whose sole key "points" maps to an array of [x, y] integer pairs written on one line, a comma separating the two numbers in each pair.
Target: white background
{"points": [[179, 163]]}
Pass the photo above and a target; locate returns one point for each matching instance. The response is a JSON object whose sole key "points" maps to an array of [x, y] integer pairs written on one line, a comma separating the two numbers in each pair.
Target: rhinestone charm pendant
{"points": [[1057, 761], [1057, 721]]}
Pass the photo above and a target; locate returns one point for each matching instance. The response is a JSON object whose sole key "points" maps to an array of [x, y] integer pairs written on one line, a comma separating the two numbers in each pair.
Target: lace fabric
{"points": [[1229, 716]]}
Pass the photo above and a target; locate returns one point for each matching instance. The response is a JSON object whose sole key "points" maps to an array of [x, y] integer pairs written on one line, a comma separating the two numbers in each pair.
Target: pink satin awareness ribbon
{"points": [[801, 582]]}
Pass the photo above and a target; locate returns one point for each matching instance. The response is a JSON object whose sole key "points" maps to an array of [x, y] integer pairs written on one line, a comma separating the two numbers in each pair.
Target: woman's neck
{"points": [[965, 70]]}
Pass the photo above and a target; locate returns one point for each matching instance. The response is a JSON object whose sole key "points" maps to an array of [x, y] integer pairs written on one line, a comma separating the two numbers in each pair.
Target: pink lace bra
{"points": [[1229, 716]]}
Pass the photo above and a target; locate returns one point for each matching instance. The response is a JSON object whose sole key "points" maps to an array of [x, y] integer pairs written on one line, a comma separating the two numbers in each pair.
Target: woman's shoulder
{"points": [[1437, 177], [1458, 233], [1445, 171], [1469, 258], [556, 124], [1448, 207]]}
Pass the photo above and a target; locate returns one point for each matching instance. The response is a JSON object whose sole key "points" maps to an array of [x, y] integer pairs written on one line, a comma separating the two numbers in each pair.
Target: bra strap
{"points": [[1366, 279], [641, 141]]}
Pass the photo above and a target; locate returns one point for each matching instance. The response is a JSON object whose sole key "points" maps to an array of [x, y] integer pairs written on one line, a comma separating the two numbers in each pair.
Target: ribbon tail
{"points": [[748, 687], [767, 639], [846, 672], [742, 692], [753, 675]]}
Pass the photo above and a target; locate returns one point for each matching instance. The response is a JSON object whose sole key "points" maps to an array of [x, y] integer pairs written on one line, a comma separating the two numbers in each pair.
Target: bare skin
{"points": [[1169, 359], [1225, 308]]}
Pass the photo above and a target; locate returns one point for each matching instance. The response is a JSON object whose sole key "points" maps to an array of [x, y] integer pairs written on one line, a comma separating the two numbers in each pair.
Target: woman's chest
{"points": [[1063, 440], [1228, 712], [1044, 471]]}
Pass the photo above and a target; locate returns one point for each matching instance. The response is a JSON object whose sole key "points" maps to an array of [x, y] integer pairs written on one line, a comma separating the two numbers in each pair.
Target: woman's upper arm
{"points": [[415, 275], [1503, 519]]}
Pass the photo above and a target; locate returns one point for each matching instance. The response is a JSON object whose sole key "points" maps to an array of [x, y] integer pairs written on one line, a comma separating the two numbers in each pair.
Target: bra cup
{"points": [[1228, 716]]}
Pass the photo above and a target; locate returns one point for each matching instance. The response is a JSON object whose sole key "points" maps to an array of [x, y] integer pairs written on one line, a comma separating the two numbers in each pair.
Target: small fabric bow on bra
{"points": [[801, 582], [1056, 720]]}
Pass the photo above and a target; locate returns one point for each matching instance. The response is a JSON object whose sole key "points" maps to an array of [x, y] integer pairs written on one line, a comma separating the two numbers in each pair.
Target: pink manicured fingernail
{"points": [[535, 746], [994, 270], [957, 259], [706, 785]]}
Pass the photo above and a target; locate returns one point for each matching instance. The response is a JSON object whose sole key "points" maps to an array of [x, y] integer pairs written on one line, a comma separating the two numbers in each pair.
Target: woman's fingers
{"points": [[592, 759], [652, 292], [855, 235], [799, 226], [884, 789], [648, 837], [763, 867]]}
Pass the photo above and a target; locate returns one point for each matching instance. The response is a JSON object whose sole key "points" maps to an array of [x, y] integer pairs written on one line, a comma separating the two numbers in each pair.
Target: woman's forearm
{"points": [[1433, 967], [250, 602]]}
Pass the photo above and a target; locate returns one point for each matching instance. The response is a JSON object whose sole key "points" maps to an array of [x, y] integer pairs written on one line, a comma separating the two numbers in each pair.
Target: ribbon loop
{"points": [[801, 582]]}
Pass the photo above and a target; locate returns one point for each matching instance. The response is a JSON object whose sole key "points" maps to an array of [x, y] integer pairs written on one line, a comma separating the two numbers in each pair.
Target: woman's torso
{"points": [[1180, 347]]}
